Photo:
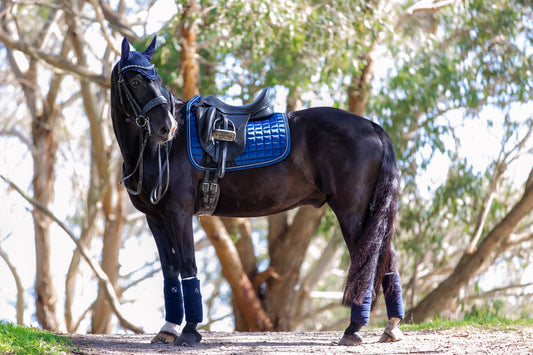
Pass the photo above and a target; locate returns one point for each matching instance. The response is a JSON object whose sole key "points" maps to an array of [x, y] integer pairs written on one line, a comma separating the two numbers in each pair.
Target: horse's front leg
{"points": [[179, 226], [172, 287]]}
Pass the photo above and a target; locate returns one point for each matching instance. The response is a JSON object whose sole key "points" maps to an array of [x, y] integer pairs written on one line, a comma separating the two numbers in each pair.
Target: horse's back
{"points": [[336, 136], [334, 155]]}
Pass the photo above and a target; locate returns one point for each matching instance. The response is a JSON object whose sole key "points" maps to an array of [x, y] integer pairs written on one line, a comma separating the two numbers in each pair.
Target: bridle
{"points": [[142, 120]]}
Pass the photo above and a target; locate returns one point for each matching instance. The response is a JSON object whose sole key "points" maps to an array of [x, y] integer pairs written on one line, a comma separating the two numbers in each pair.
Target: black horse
{"points": [[335, 157]]}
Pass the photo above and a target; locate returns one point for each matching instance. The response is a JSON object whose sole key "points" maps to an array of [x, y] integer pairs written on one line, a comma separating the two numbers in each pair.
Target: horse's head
{"points": [[143, 99]]}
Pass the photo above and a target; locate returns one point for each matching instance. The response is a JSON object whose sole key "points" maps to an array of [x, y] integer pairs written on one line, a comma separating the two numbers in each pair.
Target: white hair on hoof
{"points": [[392, 332], [166, 335]]}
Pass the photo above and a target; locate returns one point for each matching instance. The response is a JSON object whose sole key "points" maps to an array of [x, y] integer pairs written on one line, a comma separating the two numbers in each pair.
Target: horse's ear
{"points": [[150, 50], [125, 49]]}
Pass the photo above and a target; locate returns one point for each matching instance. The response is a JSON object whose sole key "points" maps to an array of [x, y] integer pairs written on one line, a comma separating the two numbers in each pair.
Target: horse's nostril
{"points": [[163, 131]]}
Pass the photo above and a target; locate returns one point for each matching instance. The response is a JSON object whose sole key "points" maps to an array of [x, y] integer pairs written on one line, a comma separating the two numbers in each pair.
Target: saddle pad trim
{"points": [[248, 159]]}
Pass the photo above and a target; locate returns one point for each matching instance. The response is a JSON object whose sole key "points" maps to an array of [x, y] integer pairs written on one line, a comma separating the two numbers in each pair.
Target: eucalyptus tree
{"points": [[57, 55], [472, 65], [451, 60]]}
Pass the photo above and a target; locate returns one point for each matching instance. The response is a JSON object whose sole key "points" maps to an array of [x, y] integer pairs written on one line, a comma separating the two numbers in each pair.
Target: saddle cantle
{"points": [[222, 136]]}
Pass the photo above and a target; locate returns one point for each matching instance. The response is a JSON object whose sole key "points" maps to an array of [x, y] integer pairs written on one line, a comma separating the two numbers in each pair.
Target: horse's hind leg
{"points": [[392, 289], [351, 226], [359, 316]]}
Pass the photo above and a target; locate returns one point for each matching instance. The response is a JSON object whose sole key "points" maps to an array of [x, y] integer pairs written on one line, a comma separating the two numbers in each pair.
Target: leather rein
{"points": [[142, 120]]}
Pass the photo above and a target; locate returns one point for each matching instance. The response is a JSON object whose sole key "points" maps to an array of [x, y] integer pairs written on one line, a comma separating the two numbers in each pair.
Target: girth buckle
{"points": [[209, 196]]}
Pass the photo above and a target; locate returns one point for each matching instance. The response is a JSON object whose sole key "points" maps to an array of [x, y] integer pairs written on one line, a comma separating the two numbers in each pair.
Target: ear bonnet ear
{"points": [[125, 50], [136, 61], [150, 50]]}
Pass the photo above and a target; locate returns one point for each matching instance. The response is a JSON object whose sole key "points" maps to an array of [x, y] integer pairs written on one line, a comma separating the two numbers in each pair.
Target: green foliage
{"points": [[15, 339], [494, 323], [272, 42], [491, 310]]}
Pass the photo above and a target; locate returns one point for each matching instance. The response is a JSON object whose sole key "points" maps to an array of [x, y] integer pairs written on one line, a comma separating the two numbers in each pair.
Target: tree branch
{"points": [[105, 30], [20, 136], [117, 21], [55, 61], [100, 274], [18, 283]]}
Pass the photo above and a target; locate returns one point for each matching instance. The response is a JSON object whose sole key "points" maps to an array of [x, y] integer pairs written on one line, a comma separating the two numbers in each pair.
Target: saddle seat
{"points": [[257, 110]]}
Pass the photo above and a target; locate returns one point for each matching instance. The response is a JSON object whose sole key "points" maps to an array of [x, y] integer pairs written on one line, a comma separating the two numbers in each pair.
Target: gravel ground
{"points": [[516, 340]]}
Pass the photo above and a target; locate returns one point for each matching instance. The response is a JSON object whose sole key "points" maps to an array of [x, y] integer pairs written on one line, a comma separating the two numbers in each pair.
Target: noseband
{"points": [[142, 120]]}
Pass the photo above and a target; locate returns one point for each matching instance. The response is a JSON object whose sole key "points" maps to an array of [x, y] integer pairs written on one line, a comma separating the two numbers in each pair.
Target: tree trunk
{"points": [[189, 63], [287, 247], [359, 91], [45, 145], [114, 222], [244, 296], [245, 250], [471, 265]]}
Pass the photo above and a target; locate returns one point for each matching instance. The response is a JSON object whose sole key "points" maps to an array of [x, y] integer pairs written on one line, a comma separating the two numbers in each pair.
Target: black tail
{"points": [[371, 256]]}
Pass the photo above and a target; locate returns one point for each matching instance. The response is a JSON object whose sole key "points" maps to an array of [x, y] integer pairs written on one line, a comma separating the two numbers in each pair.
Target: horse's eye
{"points": [[135, 83]]}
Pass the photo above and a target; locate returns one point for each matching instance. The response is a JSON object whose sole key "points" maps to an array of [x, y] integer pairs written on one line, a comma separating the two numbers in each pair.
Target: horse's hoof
{"points": [[351, 339], [188, 339], [391, 335], [163, 338]]}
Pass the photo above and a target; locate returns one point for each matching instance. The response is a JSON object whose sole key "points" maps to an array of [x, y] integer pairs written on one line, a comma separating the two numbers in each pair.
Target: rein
{"points": [[143, 122]]}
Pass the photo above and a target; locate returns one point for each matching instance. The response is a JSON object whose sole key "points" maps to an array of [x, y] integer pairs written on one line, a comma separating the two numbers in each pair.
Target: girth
{"points": [[221, 129]]}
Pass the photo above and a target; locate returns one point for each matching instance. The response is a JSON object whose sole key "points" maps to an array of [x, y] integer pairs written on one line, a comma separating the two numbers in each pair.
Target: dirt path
{"points": [[518, 340]]}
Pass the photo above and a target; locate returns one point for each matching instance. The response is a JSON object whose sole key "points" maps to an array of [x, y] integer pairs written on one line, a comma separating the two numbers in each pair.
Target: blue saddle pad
{"points": [[267, 141]]}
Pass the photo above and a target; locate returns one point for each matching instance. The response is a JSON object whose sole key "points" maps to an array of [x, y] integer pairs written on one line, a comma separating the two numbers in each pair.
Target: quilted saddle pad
{"points": [[267, 142]]}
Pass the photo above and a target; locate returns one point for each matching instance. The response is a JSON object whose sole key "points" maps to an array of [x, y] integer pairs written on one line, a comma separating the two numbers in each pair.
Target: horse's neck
{"points": [[130, 147]]}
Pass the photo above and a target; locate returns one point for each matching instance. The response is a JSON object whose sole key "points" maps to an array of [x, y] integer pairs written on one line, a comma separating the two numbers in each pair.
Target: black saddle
{"points": [[222, 127], [221, 130], [257, 110]]}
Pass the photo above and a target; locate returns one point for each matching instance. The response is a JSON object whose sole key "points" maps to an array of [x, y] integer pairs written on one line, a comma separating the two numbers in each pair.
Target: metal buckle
{"points": [[141, 121]]}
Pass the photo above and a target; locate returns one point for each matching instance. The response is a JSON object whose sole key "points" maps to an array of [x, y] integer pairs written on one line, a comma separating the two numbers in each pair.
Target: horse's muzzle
{"points": [[166, 131]]}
